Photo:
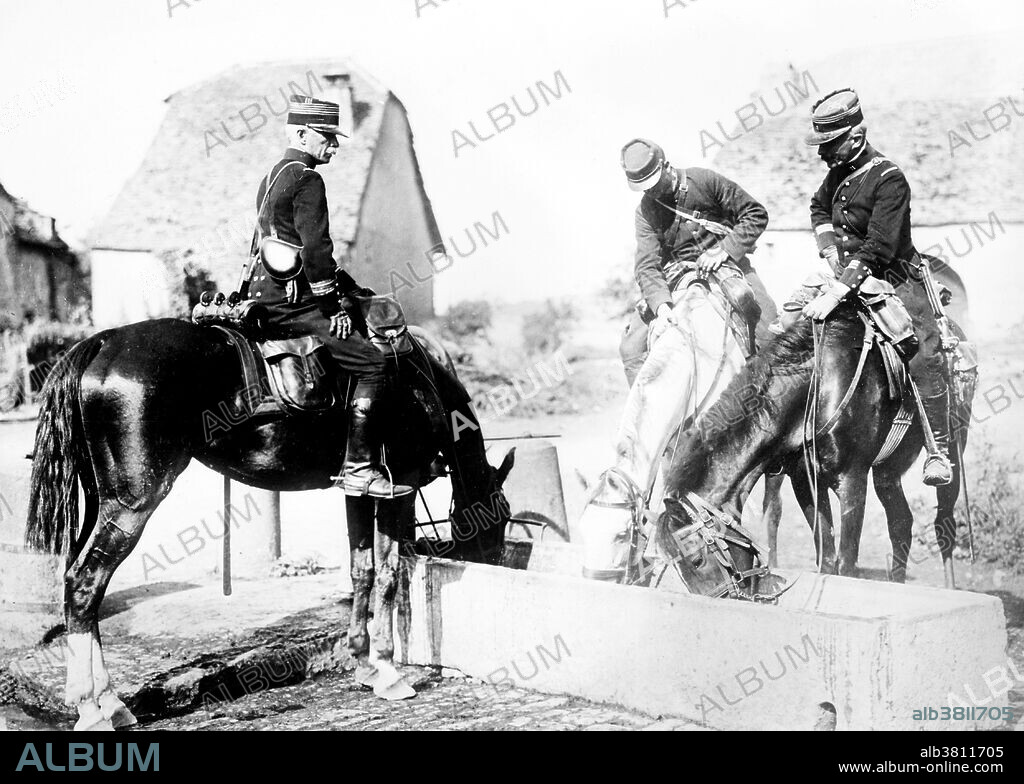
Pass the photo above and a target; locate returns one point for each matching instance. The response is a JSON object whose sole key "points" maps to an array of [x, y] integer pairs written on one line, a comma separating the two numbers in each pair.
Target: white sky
{"points": [[83, 85]]}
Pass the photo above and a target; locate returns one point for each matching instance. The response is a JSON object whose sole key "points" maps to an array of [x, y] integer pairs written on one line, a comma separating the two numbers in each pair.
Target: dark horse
{"points": [[125, 411], [758, 426]]}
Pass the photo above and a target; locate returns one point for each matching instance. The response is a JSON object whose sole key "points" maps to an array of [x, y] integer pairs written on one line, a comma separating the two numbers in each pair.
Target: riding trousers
{"points": [[633, 346], [926, 368], [355, 354]]}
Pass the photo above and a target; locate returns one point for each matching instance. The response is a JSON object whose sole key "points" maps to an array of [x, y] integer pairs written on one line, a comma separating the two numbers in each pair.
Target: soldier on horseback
{"points": [[687, 217], [292, 204], [861, 221]]}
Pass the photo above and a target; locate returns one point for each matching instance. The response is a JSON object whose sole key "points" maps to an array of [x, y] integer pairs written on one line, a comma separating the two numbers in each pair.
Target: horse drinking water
{"points": [[123, 415]]}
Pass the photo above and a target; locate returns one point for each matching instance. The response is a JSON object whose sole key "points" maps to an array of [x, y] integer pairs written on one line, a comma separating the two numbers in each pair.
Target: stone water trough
{"points": [[834, 651]]}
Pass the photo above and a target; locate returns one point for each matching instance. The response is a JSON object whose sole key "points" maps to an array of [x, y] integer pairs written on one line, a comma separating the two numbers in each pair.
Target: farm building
{"points": [[184, 221], [40, 277]]}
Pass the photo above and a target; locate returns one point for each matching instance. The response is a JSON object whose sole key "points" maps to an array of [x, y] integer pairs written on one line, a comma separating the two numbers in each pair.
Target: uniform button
{"points": [[259, 293], [843, 198]]}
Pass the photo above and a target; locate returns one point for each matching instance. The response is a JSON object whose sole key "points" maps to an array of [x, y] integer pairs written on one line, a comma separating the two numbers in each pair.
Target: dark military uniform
{"points": [[665, 241], [296, 212], [863, 208]]}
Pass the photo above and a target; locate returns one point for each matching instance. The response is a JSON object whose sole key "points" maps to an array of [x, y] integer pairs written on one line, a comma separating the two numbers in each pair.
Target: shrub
{"points": [[996, 503], [620, 292], [467, 319], [544, 330]]}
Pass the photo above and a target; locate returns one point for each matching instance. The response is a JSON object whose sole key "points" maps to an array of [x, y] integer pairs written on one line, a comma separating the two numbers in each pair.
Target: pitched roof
{"points": [[910, 107], [196, 187], [29, 226]]}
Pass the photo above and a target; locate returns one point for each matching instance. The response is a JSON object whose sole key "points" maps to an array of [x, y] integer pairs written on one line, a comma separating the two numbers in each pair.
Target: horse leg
{"points": [[900, 520], [771, 513], [391, 517], [819, 520], [945, 524], [359, 514], [88, 686], [852, 491]]}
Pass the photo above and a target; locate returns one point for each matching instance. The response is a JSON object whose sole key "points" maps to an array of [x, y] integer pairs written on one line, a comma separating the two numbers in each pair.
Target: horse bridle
{"points": [[635, 503], [717, 540]]}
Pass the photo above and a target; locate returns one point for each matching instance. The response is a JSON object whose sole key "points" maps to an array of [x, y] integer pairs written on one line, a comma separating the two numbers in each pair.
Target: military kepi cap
{"points": [[322, 116], [834, 115], [643, 161]]}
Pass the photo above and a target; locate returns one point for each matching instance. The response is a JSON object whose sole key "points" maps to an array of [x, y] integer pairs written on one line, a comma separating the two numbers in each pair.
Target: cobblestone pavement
{"points": [[335, 702]]}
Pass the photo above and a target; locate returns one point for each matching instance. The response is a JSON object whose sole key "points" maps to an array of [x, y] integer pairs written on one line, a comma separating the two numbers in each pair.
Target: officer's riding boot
{"points": [[362, 475], [937, 468]]}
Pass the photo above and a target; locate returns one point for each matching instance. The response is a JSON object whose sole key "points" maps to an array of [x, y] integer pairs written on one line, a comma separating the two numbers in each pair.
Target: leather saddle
{"points": [[279, 377]]}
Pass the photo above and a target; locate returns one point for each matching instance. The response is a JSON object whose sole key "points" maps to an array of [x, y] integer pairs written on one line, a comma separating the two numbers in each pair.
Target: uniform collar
{"points": [[291, 154], [865, 155]]}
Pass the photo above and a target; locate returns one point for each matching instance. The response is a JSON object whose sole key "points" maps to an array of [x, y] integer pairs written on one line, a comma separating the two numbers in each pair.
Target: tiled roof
{"points": [[913, 93], [28, 225], [777, 168], [193, 193]]}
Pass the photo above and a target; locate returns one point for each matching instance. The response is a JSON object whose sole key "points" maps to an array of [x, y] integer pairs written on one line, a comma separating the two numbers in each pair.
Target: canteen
{"points": [[281, 259]]}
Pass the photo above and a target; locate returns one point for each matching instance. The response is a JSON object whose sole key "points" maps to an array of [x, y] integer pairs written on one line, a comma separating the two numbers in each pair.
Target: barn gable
{"points": [[192, 198]]}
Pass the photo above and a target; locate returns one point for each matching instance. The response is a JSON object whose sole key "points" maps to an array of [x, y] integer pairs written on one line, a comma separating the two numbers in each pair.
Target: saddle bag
{"points": [[889, 315], [296, 369], [386, 326]]}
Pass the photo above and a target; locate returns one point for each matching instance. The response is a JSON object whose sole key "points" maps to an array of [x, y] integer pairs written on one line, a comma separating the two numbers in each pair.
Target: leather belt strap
{"points": [[711, 226]]}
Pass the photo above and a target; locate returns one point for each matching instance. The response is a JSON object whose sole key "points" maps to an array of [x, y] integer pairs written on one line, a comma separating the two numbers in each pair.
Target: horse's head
{"points": [[708, 551], [609, 527], [481, 512]]}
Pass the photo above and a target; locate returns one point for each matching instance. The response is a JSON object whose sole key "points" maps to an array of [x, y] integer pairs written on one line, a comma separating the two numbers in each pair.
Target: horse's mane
{"points": [[748, 401]]}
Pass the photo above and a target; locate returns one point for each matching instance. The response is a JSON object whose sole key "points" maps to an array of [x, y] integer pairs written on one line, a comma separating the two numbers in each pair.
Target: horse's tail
{"points": [[61, 458]]}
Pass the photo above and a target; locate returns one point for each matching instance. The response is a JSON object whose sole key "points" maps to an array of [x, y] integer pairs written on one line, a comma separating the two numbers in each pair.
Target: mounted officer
{"points": [[292, 207], [861, 221], [686, 216]]}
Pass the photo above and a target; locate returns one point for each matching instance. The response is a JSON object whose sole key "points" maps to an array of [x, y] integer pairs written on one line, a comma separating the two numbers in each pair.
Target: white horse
{"points": [[686, 370]]}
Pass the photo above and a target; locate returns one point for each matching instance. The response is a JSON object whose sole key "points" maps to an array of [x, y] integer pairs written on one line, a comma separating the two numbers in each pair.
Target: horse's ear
{"points": [[502, 471]]}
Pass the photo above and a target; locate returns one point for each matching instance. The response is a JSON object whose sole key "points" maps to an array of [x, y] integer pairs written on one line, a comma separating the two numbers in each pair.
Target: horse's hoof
{"points": [[399, 690], [91, 722], [366, 675], [116, 711]]}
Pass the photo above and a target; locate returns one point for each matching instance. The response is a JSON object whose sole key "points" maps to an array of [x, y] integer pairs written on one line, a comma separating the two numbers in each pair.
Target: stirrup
{"points": [[370, 482], [938, 471]]}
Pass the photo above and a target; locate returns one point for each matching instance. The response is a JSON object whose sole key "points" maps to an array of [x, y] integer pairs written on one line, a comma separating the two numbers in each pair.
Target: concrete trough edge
{"points": [[691, 657]]}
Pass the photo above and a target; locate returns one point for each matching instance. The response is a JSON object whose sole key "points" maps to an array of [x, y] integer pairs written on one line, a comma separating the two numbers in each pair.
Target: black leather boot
{"points": [[362, 475], [937, 468]]}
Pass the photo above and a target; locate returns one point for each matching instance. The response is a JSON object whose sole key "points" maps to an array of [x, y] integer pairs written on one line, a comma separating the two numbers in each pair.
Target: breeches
{"points": [[926, 368], [355, 354]]}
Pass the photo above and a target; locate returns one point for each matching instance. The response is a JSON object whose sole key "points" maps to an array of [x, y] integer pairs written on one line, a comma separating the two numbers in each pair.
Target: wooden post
{"points": [[226, 571]]}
